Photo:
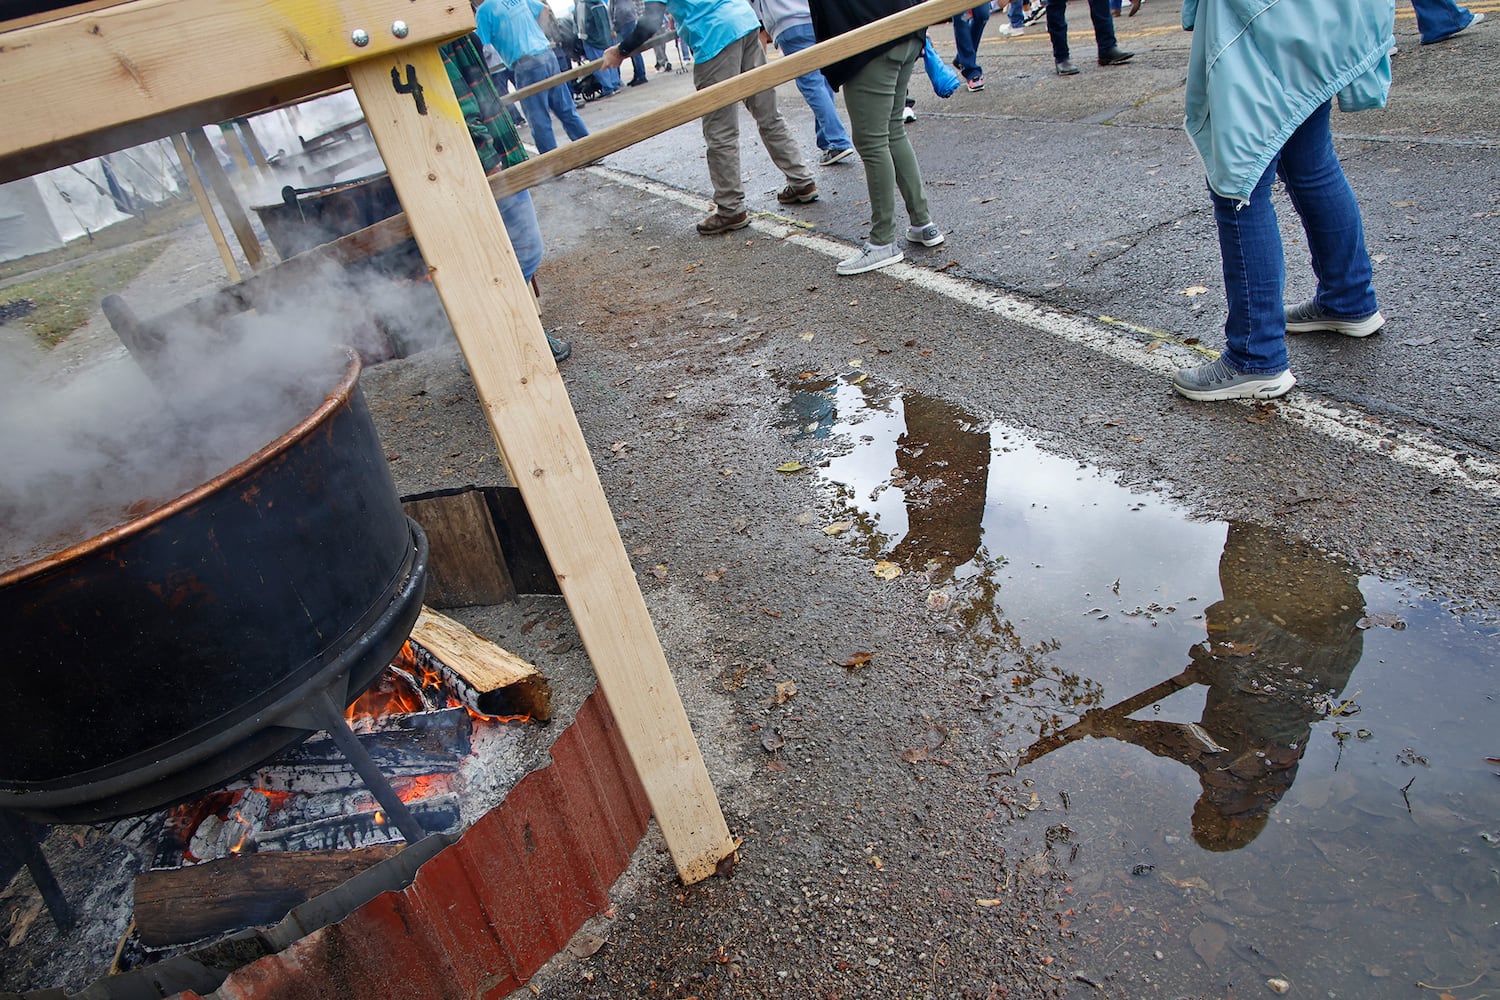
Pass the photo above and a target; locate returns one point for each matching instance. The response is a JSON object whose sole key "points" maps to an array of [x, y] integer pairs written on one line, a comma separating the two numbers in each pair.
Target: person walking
{"points": [[1110, 53], [1440, 20], [968, 32], [788, 24], [622, 19], [597, 36], [724, 37], [874, 84], [1015, 20], [1258, 104], [511, 27]]}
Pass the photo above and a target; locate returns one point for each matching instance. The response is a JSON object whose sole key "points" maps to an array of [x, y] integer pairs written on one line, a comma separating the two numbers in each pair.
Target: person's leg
{"points": [[560, 100], [1322, 197], [815, 91], [1104, 26], [519, 215], [1440, 19], [529, 71], [721, 132], [873, 101], [1254, 276], [1016, 14], [775, 134], [967, 59], [1057, 29], [903, 157]]}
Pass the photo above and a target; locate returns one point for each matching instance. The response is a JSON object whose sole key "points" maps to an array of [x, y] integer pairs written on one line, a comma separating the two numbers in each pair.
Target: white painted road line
{"points": [[1106, 335]]}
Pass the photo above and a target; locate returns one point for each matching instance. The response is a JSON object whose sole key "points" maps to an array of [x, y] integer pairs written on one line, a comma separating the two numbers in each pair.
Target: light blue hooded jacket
{"points": [[1259, 68]]}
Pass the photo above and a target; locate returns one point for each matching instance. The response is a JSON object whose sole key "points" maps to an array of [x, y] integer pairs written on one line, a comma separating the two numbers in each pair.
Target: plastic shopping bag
{"points": [[944, 79]]}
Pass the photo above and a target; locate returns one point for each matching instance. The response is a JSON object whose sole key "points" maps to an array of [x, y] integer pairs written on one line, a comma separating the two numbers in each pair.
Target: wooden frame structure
{"points": [[117, 73]]}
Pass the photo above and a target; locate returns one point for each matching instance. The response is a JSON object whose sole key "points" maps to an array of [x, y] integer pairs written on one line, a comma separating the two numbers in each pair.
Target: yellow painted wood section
{"points": [[200, 195], [453, 216], [78, 74]]}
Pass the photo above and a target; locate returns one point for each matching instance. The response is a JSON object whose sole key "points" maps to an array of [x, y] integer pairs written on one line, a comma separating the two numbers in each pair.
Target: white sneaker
{"points": [[1005, 30], [908, 114], [928, 236], [870, 256]]}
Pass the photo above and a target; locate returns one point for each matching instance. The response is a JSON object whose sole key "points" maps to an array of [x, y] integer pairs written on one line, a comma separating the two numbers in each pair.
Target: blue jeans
{"points": [[1016, 14], [1255, 264], [815, 90], [519, 215], [610, 78], [968, 29], [1438, 19], [558, 100], [1057, 27]]}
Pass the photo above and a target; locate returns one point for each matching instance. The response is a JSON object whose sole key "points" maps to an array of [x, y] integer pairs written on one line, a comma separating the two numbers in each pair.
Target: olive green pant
{"points": [[874, 98]]}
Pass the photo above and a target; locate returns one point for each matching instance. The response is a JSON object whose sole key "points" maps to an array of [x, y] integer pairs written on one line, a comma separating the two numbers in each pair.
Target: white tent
{"points": [[49, 210]]}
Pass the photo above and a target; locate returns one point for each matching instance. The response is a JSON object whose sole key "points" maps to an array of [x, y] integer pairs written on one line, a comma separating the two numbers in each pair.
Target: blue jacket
{"points": [[1259, 68]]}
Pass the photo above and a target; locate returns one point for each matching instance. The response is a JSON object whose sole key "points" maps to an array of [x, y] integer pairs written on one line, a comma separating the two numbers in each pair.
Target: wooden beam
{"points": [[576, 73], [205, 206], [178, 905], [229, 199], [438, 178], [85, 72]]}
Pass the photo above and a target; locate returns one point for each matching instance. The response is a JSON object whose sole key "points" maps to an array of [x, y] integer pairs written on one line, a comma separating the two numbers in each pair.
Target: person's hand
{"points": [[612, 57], [765, 38]]}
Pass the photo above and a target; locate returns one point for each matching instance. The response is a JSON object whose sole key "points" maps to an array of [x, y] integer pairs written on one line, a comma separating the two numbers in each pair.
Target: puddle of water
{"points": [[1249, 762]]}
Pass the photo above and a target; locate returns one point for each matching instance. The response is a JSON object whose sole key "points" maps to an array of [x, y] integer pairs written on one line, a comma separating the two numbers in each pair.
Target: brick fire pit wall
{"points": [[485, 913]]}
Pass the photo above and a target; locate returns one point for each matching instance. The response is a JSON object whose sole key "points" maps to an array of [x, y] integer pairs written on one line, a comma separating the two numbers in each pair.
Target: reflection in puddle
{"points": [[1268, 767]]}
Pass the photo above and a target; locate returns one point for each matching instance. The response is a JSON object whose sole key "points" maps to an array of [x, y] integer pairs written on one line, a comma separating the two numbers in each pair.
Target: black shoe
{"points": [[1065, 68], [636, 82], [1115, 57]]}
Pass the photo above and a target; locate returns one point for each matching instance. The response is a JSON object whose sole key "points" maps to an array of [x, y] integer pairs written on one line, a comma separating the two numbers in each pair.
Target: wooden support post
{"points": [[426, 146], [236, 146], [205, 206], [252, 143], [229, 200]]}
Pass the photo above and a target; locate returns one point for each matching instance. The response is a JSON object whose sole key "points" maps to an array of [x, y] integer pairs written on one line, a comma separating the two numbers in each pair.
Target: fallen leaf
{"points": [[805, 336], [886, 570], [856, 362], [785, 691], [860, 340], [915, 755], [989, 902], [772, 740], [790, 467], [938, 600], [859, 379], [876, 863], [659, 571], [1195, 290], [838, 528], [583, 945], [857, 659], [1208, 941], [715, 575], [1403, 204]]}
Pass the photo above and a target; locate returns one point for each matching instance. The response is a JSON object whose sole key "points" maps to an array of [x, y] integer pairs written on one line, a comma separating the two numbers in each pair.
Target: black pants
{"points": [[1057, 27]]}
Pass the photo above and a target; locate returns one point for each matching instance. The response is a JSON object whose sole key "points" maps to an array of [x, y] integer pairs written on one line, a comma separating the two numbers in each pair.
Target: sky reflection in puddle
{"points": [[1247, 762]]}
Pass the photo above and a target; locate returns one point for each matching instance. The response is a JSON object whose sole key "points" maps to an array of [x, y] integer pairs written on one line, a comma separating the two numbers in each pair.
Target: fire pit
{"points": [[178, 649]]}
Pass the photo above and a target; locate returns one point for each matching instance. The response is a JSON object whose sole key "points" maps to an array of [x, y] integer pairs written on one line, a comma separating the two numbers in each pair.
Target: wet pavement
{"points": [[1233, 740]]}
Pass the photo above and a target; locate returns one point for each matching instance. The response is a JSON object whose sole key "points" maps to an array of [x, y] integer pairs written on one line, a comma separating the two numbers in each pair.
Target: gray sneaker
{"points": [[928, 236], [832, 156], [1216, 380], [1308, 318], [870, 256]]}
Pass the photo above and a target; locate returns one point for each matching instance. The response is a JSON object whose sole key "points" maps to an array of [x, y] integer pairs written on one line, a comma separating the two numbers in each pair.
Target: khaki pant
{"points": [[721, 129]]}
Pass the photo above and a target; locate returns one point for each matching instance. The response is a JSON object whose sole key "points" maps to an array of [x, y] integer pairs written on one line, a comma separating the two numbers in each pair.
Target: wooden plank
{"points": [[466, 566], [205, 206], [432, 164], [178, 905], [131, 62], [503, 683], [576, 72], [229, 198]]}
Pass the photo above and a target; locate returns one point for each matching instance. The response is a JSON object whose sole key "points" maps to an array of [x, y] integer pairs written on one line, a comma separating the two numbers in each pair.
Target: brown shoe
{"points": [[716, 223], [794, 194]]}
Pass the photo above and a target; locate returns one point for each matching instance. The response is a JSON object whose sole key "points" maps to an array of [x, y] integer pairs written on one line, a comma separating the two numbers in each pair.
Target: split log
{"points": [[489, 679], [466, 566], [179, 905]]}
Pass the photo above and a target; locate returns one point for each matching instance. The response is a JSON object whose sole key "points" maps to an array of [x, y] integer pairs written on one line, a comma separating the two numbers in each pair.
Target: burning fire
{"points": [[414, 685]]}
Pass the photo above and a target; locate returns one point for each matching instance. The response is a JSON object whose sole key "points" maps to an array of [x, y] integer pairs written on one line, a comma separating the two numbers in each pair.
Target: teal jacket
{"points": [[1259, 68]]}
